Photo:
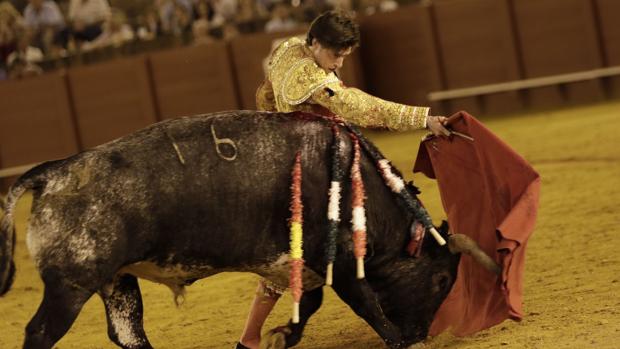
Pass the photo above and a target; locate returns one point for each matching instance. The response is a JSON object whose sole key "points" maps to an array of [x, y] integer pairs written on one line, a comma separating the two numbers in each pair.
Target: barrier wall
{"points": [[399, 57], [607, 14], [193, 80], [477, 47], [556, 37], [111, 99], [35, 122]]}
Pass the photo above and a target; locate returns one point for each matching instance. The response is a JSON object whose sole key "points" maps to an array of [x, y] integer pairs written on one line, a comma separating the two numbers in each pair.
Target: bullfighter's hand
{"points": [[436, 124]]}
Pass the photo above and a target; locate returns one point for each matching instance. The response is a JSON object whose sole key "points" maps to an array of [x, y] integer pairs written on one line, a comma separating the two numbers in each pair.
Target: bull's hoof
{"points": [[419, 345], [275, 339]]}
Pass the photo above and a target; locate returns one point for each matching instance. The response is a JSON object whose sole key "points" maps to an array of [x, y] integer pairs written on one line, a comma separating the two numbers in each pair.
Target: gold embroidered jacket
{"points": [[294, 82]]}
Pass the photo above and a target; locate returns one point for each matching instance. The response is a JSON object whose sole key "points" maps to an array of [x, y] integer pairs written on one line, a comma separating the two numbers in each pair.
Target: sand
{"points": [[572, 279]]}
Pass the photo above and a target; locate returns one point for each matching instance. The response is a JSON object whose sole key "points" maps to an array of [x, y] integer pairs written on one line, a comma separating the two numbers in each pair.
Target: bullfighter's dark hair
{"points": [[335, 30]]}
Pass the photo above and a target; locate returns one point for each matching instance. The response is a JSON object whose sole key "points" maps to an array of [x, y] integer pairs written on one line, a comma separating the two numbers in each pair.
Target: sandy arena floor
{"points": [[572, 280]]}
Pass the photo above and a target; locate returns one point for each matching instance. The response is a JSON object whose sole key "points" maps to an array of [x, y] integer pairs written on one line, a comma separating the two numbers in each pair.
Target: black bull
{"points": [[188, 198]]}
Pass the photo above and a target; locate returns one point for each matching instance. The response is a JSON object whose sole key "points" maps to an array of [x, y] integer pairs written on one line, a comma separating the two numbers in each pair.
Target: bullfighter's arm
{"points": [[365, 110], [305, 82]]}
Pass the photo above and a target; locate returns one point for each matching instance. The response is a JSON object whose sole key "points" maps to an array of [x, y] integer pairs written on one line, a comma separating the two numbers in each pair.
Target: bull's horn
{"points": [[459, 243]]}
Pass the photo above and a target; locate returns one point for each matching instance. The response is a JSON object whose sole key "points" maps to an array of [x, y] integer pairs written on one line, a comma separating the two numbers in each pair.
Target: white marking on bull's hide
{"points": [[82, 244], [120, 317], [50, 238], [359, 219], [219, 141], [333, 211], [83, 248], [34, 239], [394, 182], [56, 185]]}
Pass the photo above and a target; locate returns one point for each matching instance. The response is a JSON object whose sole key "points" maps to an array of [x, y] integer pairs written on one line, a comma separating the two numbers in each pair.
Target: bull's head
{"points": [[411, 290]]}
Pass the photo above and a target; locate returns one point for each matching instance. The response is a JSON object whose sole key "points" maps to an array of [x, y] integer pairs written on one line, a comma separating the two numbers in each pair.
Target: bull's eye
{"points": [[441, 281]]}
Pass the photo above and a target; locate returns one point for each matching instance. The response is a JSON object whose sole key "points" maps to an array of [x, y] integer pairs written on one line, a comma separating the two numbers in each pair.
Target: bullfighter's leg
{"points": [[364, 301], [264, 301], [61, 304], [123, 308]]}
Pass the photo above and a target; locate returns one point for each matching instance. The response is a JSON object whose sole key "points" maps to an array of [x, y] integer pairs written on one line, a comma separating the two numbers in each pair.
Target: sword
{"points": [[461, 135]]}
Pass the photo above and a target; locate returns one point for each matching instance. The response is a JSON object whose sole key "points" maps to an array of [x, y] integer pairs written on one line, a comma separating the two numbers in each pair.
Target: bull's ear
{"points": [[412, 188], [444, 228]]}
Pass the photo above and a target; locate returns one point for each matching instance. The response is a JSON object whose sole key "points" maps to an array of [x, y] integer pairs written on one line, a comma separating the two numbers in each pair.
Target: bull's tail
{"points": [[7, 242], [459, 243], [31, 179]]}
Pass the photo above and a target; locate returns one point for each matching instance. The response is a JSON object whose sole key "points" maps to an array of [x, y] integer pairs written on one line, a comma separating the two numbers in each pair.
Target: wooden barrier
{"points": [[193, 80], [609, 30], [477, 46], [35, 121], [111, 99], [558, 37], [399, 59]]}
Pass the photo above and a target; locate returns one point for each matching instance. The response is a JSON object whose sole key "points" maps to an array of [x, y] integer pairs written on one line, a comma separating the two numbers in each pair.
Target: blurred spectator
{"points": [[181, 21], [24, 50], [23, 61], [10, 24], [200, 30], [229, 31], [224, 11], [87, 18], [247, 11], [310, 9], [175, 15], [342, 5], [281, 20], [200, 27], [115, 33], [203, 10], [370, 7], [149, 26], [44, 19], [19, 68]]}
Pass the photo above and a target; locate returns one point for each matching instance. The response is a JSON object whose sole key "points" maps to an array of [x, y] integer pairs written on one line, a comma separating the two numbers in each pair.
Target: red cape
{"points": [[489, 193]]}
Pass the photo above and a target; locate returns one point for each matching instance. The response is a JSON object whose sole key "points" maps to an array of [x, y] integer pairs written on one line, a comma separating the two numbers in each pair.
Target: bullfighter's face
{"points": [[327, 58]]}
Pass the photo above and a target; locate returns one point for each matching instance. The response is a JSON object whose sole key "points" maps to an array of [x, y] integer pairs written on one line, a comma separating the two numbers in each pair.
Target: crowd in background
{"points": [[33, 31]]}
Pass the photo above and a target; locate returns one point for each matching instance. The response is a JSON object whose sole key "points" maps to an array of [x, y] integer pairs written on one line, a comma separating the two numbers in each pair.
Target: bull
{"points": [[187, 198]]}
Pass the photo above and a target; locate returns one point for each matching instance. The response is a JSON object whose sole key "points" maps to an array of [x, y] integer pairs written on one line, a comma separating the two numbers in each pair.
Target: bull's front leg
{"points": [[364, 301], [310, 302], [290, 335]]}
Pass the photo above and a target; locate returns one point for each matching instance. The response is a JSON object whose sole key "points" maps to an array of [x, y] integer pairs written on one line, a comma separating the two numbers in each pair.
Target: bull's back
{"points": [[210, 189]]}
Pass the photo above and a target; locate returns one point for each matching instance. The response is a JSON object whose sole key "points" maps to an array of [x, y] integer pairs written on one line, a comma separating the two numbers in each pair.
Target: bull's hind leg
{"points": [[123, 307], [60, 306]]}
